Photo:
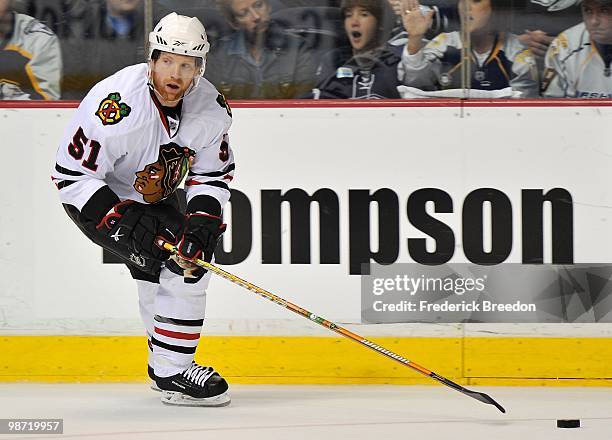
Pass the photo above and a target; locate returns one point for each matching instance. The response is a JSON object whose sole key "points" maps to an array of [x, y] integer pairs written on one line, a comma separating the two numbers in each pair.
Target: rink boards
{"points": [[63, 308]]}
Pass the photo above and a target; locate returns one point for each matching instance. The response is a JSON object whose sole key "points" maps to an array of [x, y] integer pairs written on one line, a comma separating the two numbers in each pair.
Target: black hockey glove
{"points": [[201, 236], [132, 230], [199, 241]]}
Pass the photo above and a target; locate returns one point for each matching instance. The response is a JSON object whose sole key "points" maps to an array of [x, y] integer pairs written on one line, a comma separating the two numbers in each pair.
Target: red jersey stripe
{"points": [[177, 335]]}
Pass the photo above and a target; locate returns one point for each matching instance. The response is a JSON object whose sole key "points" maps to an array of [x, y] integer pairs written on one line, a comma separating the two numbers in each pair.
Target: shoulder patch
{"points": [[344, 72], [223, 103], [525, 57], [439, 40], [562, 41], [111, 110]]}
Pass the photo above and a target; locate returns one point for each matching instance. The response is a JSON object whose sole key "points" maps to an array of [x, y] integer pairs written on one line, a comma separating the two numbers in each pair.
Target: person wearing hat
{"points": [[578, 60], [367, 68]]}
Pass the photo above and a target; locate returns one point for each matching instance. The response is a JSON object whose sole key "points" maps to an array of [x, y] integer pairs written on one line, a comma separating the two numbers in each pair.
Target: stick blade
{"points": [[484, 398]]}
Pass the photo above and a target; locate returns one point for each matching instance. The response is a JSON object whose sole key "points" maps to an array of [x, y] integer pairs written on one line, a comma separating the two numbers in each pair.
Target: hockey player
{"points": [[129, 145], [498, 59], [578, 60]]}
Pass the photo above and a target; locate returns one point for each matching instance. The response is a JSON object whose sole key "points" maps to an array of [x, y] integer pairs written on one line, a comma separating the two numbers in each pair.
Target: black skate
{"points": [[196, 386]]}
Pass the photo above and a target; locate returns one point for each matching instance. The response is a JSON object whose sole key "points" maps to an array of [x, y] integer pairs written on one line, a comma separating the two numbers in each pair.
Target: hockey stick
{"points": [[338, 329]]}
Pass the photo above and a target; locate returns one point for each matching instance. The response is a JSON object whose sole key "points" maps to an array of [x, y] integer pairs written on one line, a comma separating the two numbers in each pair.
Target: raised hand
{"points": [[415, 22]]}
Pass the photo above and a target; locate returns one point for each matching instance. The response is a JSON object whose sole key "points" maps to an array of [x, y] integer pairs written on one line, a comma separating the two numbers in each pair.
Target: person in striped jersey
{"points": [[130, 144]]}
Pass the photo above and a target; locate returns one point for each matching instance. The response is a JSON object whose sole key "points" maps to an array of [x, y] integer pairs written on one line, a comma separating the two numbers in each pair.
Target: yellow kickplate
{"points": [[542, 358], [318, 360]]}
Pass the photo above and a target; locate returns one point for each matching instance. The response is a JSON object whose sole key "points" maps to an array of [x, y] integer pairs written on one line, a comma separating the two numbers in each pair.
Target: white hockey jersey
{"points": [[575, 68], [120, 137]]}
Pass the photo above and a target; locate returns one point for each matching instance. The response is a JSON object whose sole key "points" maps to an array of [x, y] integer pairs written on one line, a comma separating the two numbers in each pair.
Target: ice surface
{"points": [[134, 412]]}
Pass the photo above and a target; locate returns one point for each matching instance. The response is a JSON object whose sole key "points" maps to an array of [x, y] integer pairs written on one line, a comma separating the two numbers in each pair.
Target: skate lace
{"points": [[198, 373]]}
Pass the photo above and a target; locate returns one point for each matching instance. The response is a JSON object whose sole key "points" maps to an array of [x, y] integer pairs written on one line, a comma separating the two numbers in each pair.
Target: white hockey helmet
{"points": [[180, 35]]}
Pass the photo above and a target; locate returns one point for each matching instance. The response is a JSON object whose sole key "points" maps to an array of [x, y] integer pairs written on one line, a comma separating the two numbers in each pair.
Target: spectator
{"points": [[367, 69], [105, 36], [259, 59], [498, 59], [30, 57], [538, 22], [578, 60]]}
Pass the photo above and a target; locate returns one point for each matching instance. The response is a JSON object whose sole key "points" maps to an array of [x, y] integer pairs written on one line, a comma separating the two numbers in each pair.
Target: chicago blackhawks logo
{"points": [[111, 110], [160, 179]]}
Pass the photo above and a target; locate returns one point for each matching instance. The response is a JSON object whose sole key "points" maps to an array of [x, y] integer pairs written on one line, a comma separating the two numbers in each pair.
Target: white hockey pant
{"points": [[173, 314]]}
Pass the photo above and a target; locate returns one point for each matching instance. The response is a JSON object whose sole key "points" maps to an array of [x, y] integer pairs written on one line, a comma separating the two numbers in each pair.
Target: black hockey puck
{"points": [[571, 423]]}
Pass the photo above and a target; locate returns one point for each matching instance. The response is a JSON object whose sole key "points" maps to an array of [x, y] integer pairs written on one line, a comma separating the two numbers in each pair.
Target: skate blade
{"points": [[180, 399], [154, 387]]}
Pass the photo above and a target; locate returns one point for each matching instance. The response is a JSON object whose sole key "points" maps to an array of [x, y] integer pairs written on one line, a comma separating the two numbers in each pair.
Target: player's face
{"points": [[122, 6], [172, 75], [361, 27], [478, 15], [598, 21], [251, 15]]}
